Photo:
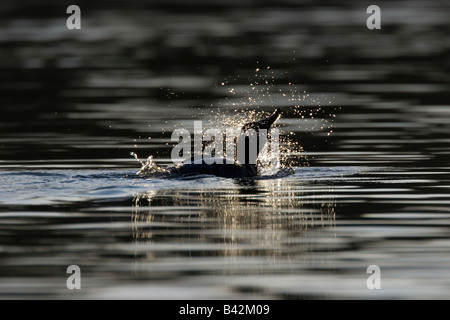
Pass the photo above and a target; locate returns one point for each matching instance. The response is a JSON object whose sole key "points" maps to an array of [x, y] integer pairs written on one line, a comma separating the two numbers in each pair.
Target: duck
{"points": [[221, 167]]}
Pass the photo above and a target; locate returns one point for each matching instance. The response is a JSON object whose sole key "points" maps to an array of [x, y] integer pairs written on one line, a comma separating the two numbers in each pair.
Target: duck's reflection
{"points": [[268, 219]]}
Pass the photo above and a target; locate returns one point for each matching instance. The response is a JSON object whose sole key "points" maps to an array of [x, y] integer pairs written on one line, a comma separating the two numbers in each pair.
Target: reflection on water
{"points": [[261, 218], [310, 234], [256, 228], [367, 110]]}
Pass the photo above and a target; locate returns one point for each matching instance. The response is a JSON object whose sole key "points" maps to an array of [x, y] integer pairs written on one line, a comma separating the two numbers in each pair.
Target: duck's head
{"points": [[253, 138], [266, 123]]}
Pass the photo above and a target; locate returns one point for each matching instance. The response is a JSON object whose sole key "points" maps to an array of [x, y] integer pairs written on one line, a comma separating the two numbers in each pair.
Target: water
{"points": [[365, 112]]}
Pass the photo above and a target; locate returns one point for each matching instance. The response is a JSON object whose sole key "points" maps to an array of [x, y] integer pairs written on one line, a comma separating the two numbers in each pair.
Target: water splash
{"points": [[264, 92], [255, 100], [149, 167]]}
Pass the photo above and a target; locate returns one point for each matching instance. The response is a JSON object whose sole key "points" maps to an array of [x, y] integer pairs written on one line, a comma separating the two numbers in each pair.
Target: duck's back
{"points": [[219, 168]]}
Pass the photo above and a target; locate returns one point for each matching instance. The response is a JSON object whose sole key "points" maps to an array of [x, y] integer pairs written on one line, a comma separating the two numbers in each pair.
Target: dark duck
{"points": [[246, 167]]}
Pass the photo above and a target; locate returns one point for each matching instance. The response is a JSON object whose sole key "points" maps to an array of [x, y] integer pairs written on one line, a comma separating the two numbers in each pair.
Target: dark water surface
{"points": [[370, 109]]}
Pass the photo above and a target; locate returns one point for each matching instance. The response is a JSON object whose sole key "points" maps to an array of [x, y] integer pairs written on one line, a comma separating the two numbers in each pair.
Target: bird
{"points": [[243, 165]]}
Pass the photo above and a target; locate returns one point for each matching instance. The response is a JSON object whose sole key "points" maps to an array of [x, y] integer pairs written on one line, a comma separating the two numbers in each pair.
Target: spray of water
{"points": [[252, 102], [148, 167]]}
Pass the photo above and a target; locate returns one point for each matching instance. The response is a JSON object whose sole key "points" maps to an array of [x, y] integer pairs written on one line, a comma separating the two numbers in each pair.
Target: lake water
{"points": [[366, 131]]}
